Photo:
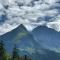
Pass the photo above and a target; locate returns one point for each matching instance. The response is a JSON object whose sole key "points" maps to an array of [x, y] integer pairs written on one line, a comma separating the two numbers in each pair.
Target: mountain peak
{"points": [[21, 25], [43, 28], [21, 28]]}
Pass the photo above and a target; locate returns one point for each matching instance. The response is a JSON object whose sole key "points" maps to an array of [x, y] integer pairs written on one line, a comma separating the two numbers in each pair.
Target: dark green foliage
{"points": [[3, 55], [25, 57], [15, 55]]}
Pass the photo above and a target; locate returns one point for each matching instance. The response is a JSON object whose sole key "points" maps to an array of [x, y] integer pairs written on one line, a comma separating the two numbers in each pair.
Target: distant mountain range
{"points": [[39, 44]]}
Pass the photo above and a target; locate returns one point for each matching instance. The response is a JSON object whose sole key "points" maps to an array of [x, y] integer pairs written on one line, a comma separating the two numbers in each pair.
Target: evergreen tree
{"points": [[2, 51], [26, 58], [15, 55]]}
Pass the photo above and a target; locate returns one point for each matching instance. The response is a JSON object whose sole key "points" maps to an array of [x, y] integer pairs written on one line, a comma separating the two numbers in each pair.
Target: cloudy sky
{"points": [[30, 13]]}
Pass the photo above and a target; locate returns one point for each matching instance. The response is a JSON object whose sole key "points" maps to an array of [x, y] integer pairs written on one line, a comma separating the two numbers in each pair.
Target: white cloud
{"points": [[55, 24], [27, 15], [51, 1], [6, 27], [53, 12]]}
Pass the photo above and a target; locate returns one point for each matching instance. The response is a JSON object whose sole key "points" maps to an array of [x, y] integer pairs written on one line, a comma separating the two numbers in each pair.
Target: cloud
{"points": [[29, 16], [51, 1], [55, 24]]}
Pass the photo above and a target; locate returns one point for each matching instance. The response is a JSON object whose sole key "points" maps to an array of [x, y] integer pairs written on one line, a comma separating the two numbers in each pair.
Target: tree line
{"points": [[15, 53]]}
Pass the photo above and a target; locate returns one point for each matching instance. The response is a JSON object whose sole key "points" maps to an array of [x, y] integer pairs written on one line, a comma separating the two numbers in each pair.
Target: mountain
{"points": [[21, 37], [47, 55], [47, 37], [34, 43]]}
